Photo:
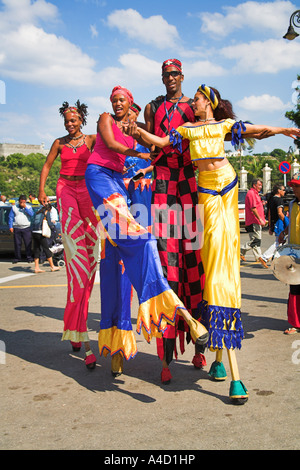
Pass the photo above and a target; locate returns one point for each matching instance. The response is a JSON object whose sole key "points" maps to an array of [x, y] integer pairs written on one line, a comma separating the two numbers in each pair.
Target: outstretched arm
{"points": [[256, 129], [106, 132], [150, 139]]}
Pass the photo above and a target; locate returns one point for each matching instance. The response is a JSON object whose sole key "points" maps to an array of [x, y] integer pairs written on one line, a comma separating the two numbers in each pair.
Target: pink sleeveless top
{"points": [[74, 163], [103, 156]]}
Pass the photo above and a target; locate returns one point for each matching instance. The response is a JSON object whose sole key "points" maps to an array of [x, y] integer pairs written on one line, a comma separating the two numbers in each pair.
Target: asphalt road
{"points": [[50, 401]]}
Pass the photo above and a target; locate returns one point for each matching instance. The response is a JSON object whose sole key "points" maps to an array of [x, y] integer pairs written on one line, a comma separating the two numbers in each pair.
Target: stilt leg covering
{"points": [[90, 360], [199, 361], [237, 389], [117, 364], [166, 375], [76, 346], [217, 371]]}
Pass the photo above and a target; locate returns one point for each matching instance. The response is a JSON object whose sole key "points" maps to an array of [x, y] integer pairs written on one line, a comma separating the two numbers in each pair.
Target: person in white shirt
{"points": [[19, 221]]}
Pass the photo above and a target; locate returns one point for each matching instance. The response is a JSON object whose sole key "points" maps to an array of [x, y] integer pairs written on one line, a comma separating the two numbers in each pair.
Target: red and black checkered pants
{"points": [[177, 226]]}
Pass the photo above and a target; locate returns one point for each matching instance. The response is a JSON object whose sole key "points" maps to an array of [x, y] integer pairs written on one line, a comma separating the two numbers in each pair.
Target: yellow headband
{"points": [[208, 92]]}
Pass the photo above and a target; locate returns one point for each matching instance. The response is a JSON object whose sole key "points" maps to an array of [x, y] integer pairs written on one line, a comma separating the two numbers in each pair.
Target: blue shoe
{"points": [[238, 392]]}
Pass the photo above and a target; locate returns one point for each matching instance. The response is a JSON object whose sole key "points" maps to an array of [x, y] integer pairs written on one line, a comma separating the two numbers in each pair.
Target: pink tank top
{"points": [[74, 163], [103, 156]]}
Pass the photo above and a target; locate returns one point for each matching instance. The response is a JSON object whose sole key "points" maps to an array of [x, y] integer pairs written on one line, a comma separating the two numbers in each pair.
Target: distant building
{"points": [[9, 149], [235, 153]]}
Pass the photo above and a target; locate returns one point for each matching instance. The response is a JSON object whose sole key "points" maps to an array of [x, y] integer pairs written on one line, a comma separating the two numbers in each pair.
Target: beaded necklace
{"points": [[75, 147]]}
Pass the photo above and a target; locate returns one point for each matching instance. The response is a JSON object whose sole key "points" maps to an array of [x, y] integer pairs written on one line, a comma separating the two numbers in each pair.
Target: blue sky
{"points": [[61, 50]]}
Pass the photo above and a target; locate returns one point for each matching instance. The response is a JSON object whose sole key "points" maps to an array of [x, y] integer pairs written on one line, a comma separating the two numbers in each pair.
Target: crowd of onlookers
{"points": [[26, 226]]}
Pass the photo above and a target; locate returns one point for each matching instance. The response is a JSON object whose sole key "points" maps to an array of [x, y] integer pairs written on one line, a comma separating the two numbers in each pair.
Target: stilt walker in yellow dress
{"points": [[218, 193]]}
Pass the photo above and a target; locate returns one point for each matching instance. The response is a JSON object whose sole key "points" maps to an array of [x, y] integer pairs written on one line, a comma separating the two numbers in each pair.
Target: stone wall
{"points": [[8, 149]]}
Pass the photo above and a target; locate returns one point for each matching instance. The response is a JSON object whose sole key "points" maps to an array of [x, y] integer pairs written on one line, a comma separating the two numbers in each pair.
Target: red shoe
{"points": [[75, 346], [90, 360], [165, 376], [199, 361]]}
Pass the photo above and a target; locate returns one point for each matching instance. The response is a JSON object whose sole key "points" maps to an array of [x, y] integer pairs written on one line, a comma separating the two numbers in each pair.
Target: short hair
{"points": [[276, 188], [255, 181], [22, 197]]}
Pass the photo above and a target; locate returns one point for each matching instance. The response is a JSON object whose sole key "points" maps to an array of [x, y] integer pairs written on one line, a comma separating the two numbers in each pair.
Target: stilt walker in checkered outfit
{"points": [[177, 229]]}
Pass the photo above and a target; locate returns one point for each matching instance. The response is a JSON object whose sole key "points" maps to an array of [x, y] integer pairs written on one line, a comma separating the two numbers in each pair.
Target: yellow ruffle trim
{"points": [[156, 313], [75, 336], [113, 340]]}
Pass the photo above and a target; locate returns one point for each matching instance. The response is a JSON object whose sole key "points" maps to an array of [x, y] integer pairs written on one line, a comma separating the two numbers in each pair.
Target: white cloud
{"points": [[32, 55], [141, 67], [269, 56], [266, 103], [24, 11], [271, 16], [154, 30], [134, 70], [203, 68]]}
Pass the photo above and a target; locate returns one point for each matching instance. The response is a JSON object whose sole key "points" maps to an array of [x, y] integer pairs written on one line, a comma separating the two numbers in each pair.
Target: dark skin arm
{"points": [[106, 132], [55, 150], [262, 135]]}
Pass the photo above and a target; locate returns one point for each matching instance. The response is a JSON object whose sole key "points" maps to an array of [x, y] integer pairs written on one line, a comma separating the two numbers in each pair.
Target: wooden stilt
{"points": [[233, 364], [219, 354]]}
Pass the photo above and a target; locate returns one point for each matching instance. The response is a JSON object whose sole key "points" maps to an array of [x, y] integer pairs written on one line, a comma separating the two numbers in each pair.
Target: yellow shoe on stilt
{"points": [[117, 364], [198, 332]]}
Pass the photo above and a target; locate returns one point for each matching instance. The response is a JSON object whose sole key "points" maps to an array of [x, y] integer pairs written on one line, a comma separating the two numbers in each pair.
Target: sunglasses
{"points": [[173, 74]]}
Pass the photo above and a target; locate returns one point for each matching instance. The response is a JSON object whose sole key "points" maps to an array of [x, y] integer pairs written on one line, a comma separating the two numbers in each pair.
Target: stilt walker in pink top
{"points": [[78, 223]]}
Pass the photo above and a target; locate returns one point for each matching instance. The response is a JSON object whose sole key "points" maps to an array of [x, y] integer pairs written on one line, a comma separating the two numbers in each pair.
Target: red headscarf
{"points": [[122, 91], [172, 63]]}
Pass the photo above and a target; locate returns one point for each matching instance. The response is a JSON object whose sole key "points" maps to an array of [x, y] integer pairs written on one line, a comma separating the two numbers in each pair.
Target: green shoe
{"points": [[238, 392], [217, 371]]}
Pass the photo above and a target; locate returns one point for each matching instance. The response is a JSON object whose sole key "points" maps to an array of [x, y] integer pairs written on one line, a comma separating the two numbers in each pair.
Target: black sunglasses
{"points": [[173, 74]]}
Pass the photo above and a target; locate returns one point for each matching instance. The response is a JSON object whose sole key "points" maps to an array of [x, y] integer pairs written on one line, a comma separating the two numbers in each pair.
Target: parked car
{"points": [[6, 237], [241, 202]]}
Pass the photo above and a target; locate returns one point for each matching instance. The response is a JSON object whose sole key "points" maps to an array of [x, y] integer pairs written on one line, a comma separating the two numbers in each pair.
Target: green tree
{"points": [[279, 154], [20, 174]]}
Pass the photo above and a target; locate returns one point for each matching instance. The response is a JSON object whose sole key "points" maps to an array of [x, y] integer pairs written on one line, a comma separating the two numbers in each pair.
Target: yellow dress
{"points": [[294, 230], [220, 254]]}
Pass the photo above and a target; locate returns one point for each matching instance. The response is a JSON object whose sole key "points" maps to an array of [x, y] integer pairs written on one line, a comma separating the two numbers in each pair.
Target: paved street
{"points": [[49, 400]]}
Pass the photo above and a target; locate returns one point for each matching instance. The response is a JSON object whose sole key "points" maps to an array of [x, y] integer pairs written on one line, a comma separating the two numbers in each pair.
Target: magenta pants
{"points": [[81, 251]]}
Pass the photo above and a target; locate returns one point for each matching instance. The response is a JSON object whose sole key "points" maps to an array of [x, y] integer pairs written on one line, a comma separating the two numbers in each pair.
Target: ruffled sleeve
{"points": [[236, 137], [176, 139]]}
